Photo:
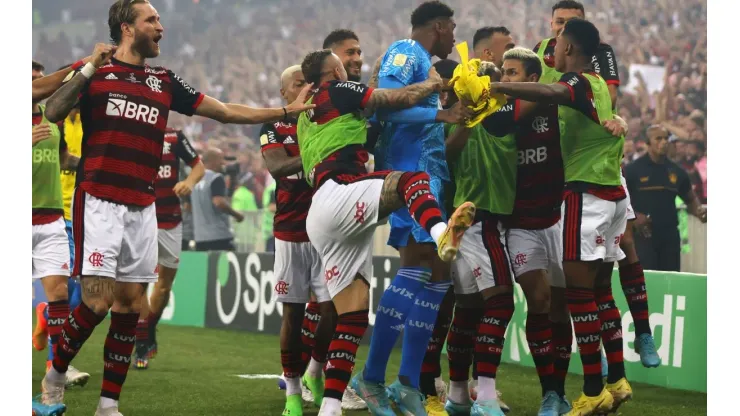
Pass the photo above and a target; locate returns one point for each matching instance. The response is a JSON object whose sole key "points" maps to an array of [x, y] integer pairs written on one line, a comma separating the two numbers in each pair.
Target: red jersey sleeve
{"points": [[268, 137], [184, 150], [185, 99], [348, 96]]}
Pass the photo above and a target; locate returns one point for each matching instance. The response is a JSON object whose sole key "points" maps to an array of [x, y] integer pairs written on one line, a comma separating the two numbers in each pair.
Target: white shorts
{"points": [[299, 272], [113, 240], [592, 227], [483, 259], [50, 250], [630, 211], [340, 225], [170, 246], [538, 250]]}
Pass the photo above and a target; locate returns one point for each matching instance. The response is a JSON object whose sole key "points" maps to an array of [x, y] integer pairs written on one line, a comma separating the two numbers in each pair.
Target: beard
{"points": [[145, 46]]}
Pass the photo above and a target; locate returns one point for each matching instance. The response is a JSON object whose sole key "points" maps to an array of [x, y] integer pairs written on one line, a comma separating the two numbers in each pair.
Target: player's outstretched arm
{"points": [[243, 114], [533, 91], [62, 101], [405, 97], [44, 87]]}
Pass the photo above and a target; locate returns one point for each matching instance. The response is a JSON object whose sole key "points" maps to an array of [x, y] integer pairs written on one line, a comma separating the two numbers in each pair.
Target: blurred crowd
{"points": [[235, 50]]}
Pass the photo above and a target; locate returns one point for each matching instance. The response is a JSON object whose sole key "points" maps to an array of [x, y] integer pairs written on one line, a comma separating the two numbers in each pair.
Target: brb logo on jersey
{"points": [[119, 106], [531, 156]]}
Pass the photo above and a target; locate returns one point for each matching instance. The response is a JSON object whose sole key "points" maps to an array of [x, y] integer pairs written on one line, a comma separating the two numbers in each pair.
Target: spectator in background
{"points": [[188, 236], [701, 169], [211, 208], [653, 182], [244, 202]]}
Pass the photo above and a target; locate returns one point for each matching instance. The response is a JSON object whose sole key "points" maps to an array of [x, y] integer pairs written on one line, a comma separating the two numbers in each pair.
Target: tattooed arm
{"points": [[61, 103], [376, 70], [404, 97]]}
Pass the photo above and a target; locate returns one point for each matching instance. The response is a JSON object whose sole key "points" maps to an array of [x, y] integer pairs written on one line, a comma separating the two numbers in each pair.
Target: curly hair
{"points": [[313, 64], [428, 11]]}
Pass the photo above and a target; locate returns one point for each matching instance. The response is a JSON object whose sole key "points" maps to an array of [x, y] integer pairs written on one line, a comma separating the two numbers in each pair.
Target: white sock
{"points": [[437, 231], [487, 388], [292, 386], [106, 403], [314, 369], [55, 376], [459, 392], [330, 406]]}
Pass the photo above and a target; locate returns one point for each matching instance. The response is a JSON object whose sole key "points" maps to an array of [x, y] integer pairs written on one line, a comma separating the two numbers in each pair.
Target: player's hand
{"points": [[299, 105], [617, 127], [435, 79], [182, 189], [239, 217], [102, 53], [456, 114], [41, 133], [643, 225]]}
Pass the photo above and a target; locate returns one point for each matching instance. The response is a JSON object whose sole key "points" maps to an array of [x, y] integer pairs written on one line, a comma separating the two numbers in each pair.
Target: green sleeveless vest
{"points": [[46, 180]]}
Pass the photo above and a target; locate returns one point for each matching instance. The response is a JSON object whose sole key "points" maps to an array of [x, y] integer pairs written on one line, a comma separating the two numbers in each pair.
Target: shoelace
{"points": [[647, 346]]}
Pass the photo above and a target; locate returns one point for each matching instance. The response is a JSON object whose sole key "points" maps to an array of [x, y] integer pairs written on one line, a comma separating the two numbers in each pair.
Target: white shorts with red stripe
{"points": [[50, 250], [538, 250], [299, 272], [340, 225], [113, 240], [169, 242], [592, 227], [483, 259]]}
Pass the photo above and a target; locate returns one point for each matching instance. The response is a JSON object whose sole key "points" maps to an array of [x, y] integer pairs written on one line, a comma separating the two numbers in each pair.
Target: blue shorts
{"points": [[68, 227], [404, 226]]}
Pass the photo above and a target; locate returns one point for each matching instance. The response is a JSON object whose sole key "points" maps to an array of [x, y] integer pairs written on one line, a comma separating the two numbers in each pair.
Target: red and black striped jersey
{"points": [[124, 110], [292, 193], [176, 147], [540, 176], [334, 99], [604, 62]]}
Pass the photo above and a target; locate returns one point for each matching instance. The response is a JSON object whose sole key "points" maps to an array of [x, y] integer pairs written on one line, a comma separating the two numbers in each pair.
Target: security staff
{"points": [[654, 182]]}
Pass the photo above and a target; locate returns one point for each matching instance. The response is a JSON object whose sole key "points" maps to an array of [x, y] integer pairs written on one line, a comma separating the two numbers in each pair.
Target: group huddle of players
{"points": [[535, 195], [533, 192]]}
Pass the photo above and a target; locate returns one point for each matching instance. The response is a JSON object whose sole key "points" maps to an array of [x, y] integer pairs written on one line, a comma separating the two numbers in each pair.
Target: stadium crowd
{"points": [[237, 51]]}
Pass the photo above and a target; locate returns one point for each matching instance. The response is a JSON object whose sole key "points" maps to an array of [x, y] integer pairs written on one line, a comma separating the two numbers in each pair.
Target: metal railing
{"points": [[249, 237]]}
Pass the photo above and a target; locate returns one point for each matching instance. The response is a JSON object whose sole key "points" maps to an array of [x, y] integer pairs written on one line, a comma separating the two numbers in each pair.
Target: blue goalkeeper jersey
{"points": [[411, 146]]}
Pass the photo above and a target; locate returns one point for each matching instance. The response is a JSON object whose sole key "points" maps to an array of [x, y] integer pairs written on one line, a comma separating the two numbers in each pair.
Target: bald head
{"points": [[213, 159], [291, 83]]}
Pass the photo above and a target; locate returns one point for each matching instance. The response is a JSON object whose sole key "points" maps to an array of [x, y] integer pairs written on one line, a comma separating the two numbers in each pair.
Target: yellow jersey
{"points": [[73, 137]]}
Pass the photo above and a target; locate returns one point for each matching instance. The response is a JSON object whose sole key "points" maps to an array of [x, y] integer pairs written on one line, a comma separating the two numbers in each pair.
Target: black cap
{"points": [[446, 67]]}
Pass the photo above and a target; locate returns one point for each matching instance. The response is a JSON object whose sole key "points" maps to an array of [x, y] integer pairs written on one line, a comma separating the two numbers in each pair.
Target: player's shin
{"points": [[632, 279], [55, 288], [323, 335], [352, 309], [290, 347], [413, 187], [431, 368], [418, 331], [460, 348], [611, 332], [393, 309], [562, 337], [498, 311], [308, 331], [536, 287], [160, 295]]}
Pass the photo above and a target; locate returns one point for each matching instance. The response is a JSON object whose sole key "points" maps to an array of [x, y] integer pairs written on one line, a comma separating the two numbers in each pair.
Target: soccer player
{"points": [[413, 140], [169, 189], [41, 334], [348, 203], [50, 248], [345, 44], [631, 275], [604, 60], [297, 264], [534, 234], [491, 43], [124, 106], [594, 210]]}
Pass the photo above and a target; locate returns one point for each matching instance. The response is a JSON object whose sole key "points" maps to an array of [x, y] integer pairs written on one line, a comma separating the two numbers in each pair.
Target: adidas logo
{"points": [[111, 76], [289, 140], [65, 266]]}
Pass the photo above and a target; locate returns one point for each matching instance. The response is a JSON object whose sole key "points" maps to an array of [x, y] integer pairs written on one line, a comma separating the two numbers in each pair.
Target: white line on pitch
{"points": [[259, 376]]}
